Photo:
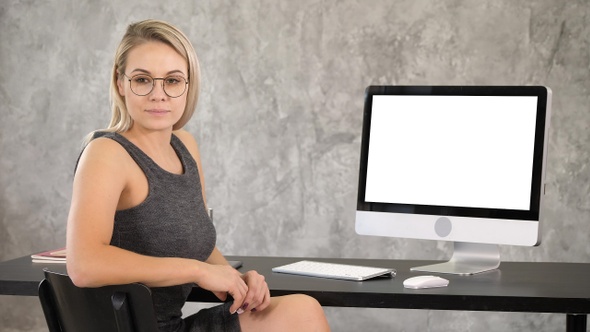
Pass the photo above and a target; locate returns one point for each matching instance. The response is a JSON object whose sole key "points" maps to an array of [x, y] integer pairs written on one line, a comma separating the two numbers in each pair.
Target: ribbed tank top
{"points": [[171, 222]]}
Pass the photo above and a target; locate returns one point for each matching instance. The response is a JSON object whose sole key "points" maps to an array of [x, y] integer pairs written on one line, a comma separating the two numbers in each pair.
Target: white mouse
{"points": [[425, 282]]}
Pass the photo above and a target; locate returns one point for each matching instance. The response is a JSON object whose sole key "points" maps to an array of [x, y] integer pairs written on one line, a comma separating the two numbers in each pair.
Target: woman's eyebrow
{"points": [[140, 70], [175, 71]]}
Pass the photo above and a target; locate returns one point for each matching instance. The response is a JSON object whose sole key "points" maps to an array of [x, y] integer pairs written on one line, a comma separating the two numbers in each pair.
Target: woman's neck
{"points": [[155, 140], [156, 144]]}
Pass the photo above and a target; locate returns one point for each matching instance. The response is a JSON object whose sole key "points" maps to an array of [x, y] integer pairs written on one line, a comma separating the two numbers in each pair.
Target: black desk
{"points": [[516, 287]]}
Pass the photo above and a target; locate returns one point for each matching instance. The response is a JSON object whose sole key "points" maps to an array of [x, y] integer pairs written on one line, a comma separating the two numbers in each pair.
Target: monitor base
{"points": [[468, 259]]}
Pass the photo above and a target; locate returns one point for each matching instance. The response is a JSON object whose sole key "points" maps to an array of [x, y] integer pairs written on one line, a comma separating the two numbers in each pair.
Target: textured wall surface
{"points": [[279, 121]]}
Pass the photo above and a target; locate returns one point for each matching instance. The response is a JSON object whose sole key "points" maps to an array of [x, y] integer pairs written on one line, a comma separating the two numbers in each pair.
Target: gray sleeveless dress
{"points": [[171, 222]]}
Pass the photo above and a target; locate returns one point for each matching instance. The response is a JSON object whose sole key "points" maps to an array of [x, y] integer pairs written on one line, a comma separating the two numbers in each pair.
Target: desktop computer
{"points": [[464, 164]]}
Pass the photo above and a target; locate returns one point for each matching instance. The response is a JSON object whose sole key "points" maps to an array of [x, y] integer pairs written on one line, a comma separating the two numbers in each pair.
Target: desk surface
{"points": [[516, 286]]}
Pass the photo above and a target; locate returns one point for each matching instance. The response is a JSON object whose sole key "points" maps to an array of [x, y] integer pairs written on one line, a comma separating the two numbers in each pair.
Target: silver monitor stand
{"points": [[468, 259]]}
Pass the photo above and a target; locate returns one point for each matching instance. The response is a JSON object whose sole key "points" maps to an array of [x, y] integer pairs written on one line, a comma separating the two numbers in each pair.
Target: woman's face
{"points": [[156, 110]]}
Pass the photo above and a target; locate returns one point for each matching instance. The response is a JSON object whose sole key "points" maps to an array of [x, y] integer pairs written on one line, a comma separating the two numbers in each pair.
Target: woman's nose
{"points": [[158, 90]]}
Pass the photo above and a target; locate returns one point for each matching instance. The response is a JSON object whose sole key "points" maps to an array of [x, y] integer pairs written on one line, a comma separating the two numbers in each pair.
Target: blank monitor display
{"points": [[461, 151]]}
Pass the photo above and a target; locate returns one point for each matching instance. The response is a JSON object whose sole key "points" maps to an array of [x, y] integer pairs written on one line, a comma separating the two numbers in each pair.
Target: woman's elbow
{"points": [[81, 275]]}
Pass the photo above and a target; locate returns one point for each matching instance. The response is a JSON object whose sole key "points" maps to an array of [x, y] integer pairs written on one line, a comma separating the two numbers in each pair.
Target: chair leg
{"points": [[48, 306]]}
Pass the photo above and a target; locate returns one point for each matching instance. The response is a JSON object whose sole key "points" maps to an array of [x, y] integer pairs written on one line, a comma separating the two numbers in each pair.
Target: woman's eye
{"points": [[172, 80], [142, 80]]}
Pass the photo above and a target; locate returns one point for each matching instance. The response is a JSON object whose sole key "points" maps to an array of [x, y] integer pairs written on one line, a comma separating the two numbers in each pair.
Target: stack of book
{"points": [[51, 256]]}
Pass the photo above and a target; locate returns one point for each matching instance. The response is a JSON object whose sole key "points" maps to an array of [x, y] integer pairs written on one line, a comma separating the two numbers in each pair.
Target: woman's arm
{"points": [[258, 296], [101, 178]]}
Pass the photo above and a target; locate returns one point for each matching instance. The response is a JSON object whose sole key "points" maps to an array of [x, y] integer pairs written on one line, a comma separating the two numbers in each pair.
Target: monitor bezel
{"points": [[537, 183]]}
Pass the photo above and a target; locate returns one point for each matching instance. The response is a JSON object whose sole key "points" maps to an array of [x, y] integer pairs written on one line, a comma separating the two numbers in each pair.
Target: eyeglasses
{"points": [[143, 84]]}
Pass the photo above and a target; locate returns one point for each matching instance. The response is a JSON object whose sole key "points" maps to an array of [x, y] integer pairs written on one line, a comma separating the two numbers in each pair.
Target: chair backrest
{"points": [[122, 308]]}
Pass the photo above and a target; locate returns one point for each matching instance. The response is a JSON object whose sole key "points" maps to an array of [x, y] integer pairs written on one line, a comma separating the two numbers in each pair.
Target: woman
{"points": [[138, 209]]}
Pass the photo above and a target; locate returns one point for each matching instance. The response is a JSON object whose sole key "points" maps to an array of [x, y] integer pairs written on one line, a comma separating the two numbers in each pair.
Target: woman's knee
{"points": [[308, 303], [308, 309], [287, 313]]}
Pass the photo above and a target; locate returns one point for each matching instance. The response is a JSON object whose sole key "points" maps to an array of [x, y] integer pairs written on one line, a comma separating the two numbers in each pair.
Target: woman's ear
{"points": [[120, 85]]}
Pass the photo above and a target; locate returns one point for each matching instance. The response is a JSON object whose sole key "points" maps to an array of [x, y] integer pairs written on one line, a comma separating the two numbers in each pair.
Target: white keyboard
{"points": [[333, 270]]}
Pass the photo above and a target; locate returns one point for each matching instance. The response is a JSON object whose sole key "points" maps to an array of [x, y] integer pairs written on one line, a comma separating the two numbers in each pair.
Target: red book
{"points": [[50, 256]]}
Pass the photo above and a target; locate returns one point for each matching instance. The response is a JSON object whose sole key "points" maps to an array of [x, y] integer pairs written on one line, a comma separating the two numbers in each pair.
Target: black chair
{"points": [[122, 308]]}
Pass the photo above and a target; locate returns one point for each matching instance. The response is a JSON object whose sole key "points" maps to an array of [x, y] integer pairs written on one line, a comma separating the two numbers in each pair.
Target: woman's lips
{"points": [[157, 111]]}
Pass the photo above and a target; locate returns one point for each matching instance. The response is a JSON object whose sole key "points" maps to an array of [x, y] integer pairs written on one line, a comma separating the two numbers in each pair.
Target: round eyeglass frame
{"points": [[154, 84]]}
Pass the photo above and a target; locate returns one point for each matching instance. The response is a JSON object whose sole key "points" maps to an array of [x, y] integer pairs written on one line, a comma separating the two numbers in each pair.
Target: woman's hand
{"points": [[223, 280], [258, 296]]}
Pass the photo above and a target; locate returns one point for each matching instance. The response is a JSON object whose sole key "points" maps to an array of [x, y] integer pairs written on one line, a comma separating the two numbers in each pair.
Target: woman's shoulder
{"points": [[187, 139], [190, 143], [104, 168], [184, 135], [103, 143], [105, 151]]}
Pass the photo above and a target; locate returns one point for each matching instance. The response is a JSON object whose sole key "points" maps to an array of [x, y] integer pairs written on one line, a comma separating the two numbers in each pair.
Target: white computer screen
{"points": [[457, 151]]}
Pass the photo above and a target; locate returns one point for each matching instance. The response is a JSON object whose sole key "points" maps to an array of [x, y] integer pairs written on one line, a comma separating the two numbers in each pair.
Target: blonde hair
{"points": [[140, 33]]}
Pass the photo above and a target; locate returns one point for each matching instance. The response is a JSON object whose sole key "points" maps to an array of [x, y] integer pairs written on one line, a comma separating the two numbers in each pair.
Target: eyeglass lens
{"points": [[174, 86]]}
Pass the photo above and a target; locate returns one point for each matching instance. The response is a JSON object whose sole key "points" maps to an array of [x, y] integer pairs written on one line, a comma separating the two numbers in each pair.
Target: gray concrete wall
{"points": [[279, 121]]}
